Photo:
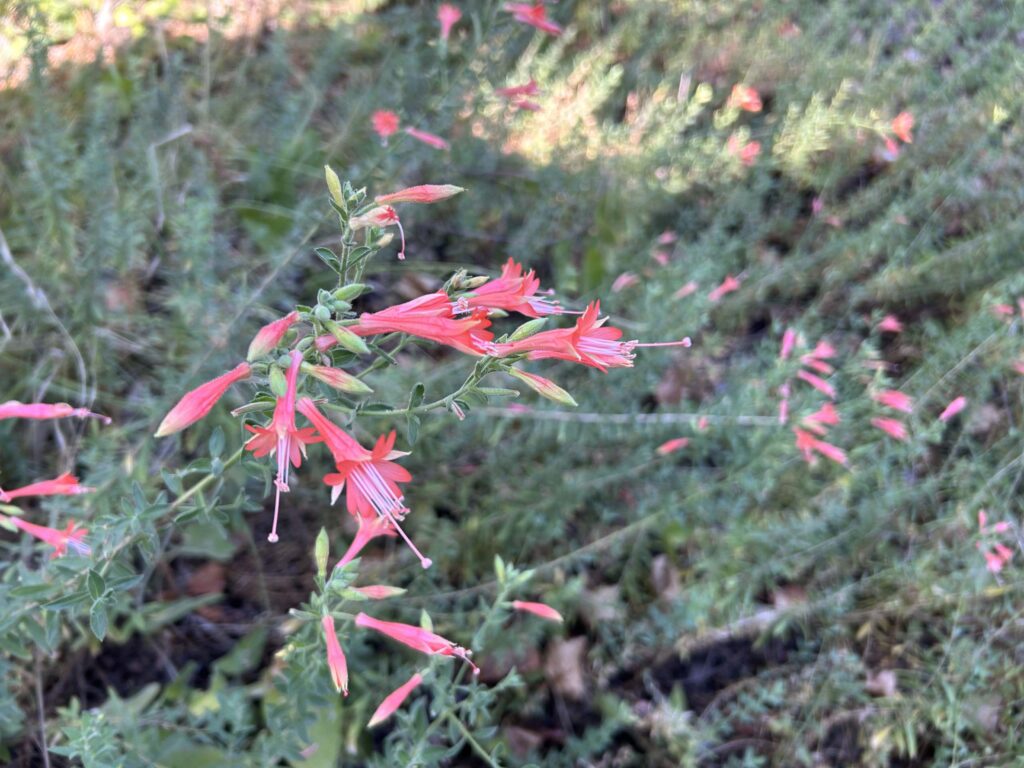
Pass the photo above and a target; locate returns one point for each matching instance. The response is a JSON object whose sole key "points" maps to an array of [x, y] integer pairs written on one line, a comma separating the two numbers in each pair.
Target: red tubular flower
{"points": [[448, 16], [429, 317], [12, 409], [788, 343], [197, 403], [894, 399], [529, 106], [369, 529], [892, 427], [424, 193], [372, 476], [587, 342], [746, 152], [808, 444], [744, 97], [280, 436], [820, 420], [416, 638], [385, 123], [538, 609], [65, 485], [535, 15], [512, 291], [335, 656], [394, 700], [516, 91], [902, 125], [270, 335], [818, 383], [430, 139], [59, 540], [890, 324], [728, 285]]}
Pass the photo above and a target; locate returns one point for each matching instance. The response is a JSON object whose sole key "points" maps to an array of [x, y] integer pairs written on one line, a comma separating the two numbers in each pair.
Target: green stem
{"points": [[206, 481], [473, 743]]}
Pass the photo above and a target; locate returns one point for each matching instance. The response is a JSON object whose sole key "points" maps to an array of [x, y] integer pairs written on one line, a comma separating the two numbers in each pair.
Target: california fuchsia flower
{"points": [[818, 383], [825, 417], [688, 289], [894, 399], [997, 558], [526, 104], [951, 410], [65, 485], [538, 609], [197, 403], [624, 281], [808, 444], [337, 378], [448, 16], [892, 427], [12, 409], [378, 591], [394, 700], [281, 436], [673, 445], [372, 476], [512, 291], [59, 540], [385, 123], [335, 656], [745, 152], [784, 392], [429, 317], [424, 193], [728, 285], [430, 139], [381, 216], [744, 97], [788, 342], [416, 638], [270, 335], [902, 125], [587, 342], [543, 387], [535, 15], [369, 529], [517, 91], [890, 324]]}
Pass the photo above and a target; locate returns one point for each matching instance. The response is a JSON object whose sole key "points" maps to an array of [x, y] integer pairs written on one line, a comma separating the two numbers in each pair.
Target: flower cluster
{"points": [[308, 347]]}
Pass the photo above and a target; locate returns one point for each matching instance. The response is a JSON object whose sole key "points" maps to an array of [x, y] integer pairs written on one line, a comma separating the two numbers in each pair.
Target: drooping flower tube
{"points": [[448, 16], [282, 438], [270, 335], [417, 638], [372, 476], [429, 317], [394, 700], [534, 15], [335, 656], [13, 409]]}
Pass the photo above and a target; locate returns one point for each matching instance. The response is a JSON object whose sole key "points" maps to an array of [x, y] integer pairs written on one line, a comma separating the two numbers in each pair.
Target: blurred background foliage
{"points": [[161, 193]]}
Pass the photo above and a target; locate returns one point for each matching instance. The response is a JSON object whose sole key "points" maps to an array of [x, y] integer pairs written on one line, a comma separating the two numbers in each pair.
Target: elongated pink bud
{"points": [[270, 335], [335, 656], [818, 383], [12, 409], [788, 342], [430, 139], [673, 445], [892, 427], [425, 193], [416, 638], [894, 399], [394, 700], [378, 591], [197, 403], [951, 410], [538, 609]]}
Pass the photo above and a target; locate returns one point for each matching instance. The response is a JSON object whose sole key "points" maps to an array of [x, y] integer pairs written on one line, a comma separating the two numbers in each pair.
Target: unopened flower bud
{"points": [[347, 339], [334, 186], [321, 551], [543, 387], [337, 378], [278, 382], [322, 313], [425, 193], [350, 291], [474, 282], [527, 329]]}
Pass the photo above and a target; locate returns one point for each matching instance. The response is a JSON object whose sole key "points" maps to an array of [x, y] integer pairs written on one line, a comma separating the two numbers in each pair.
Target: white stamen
{"points": [[370, 483]]}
